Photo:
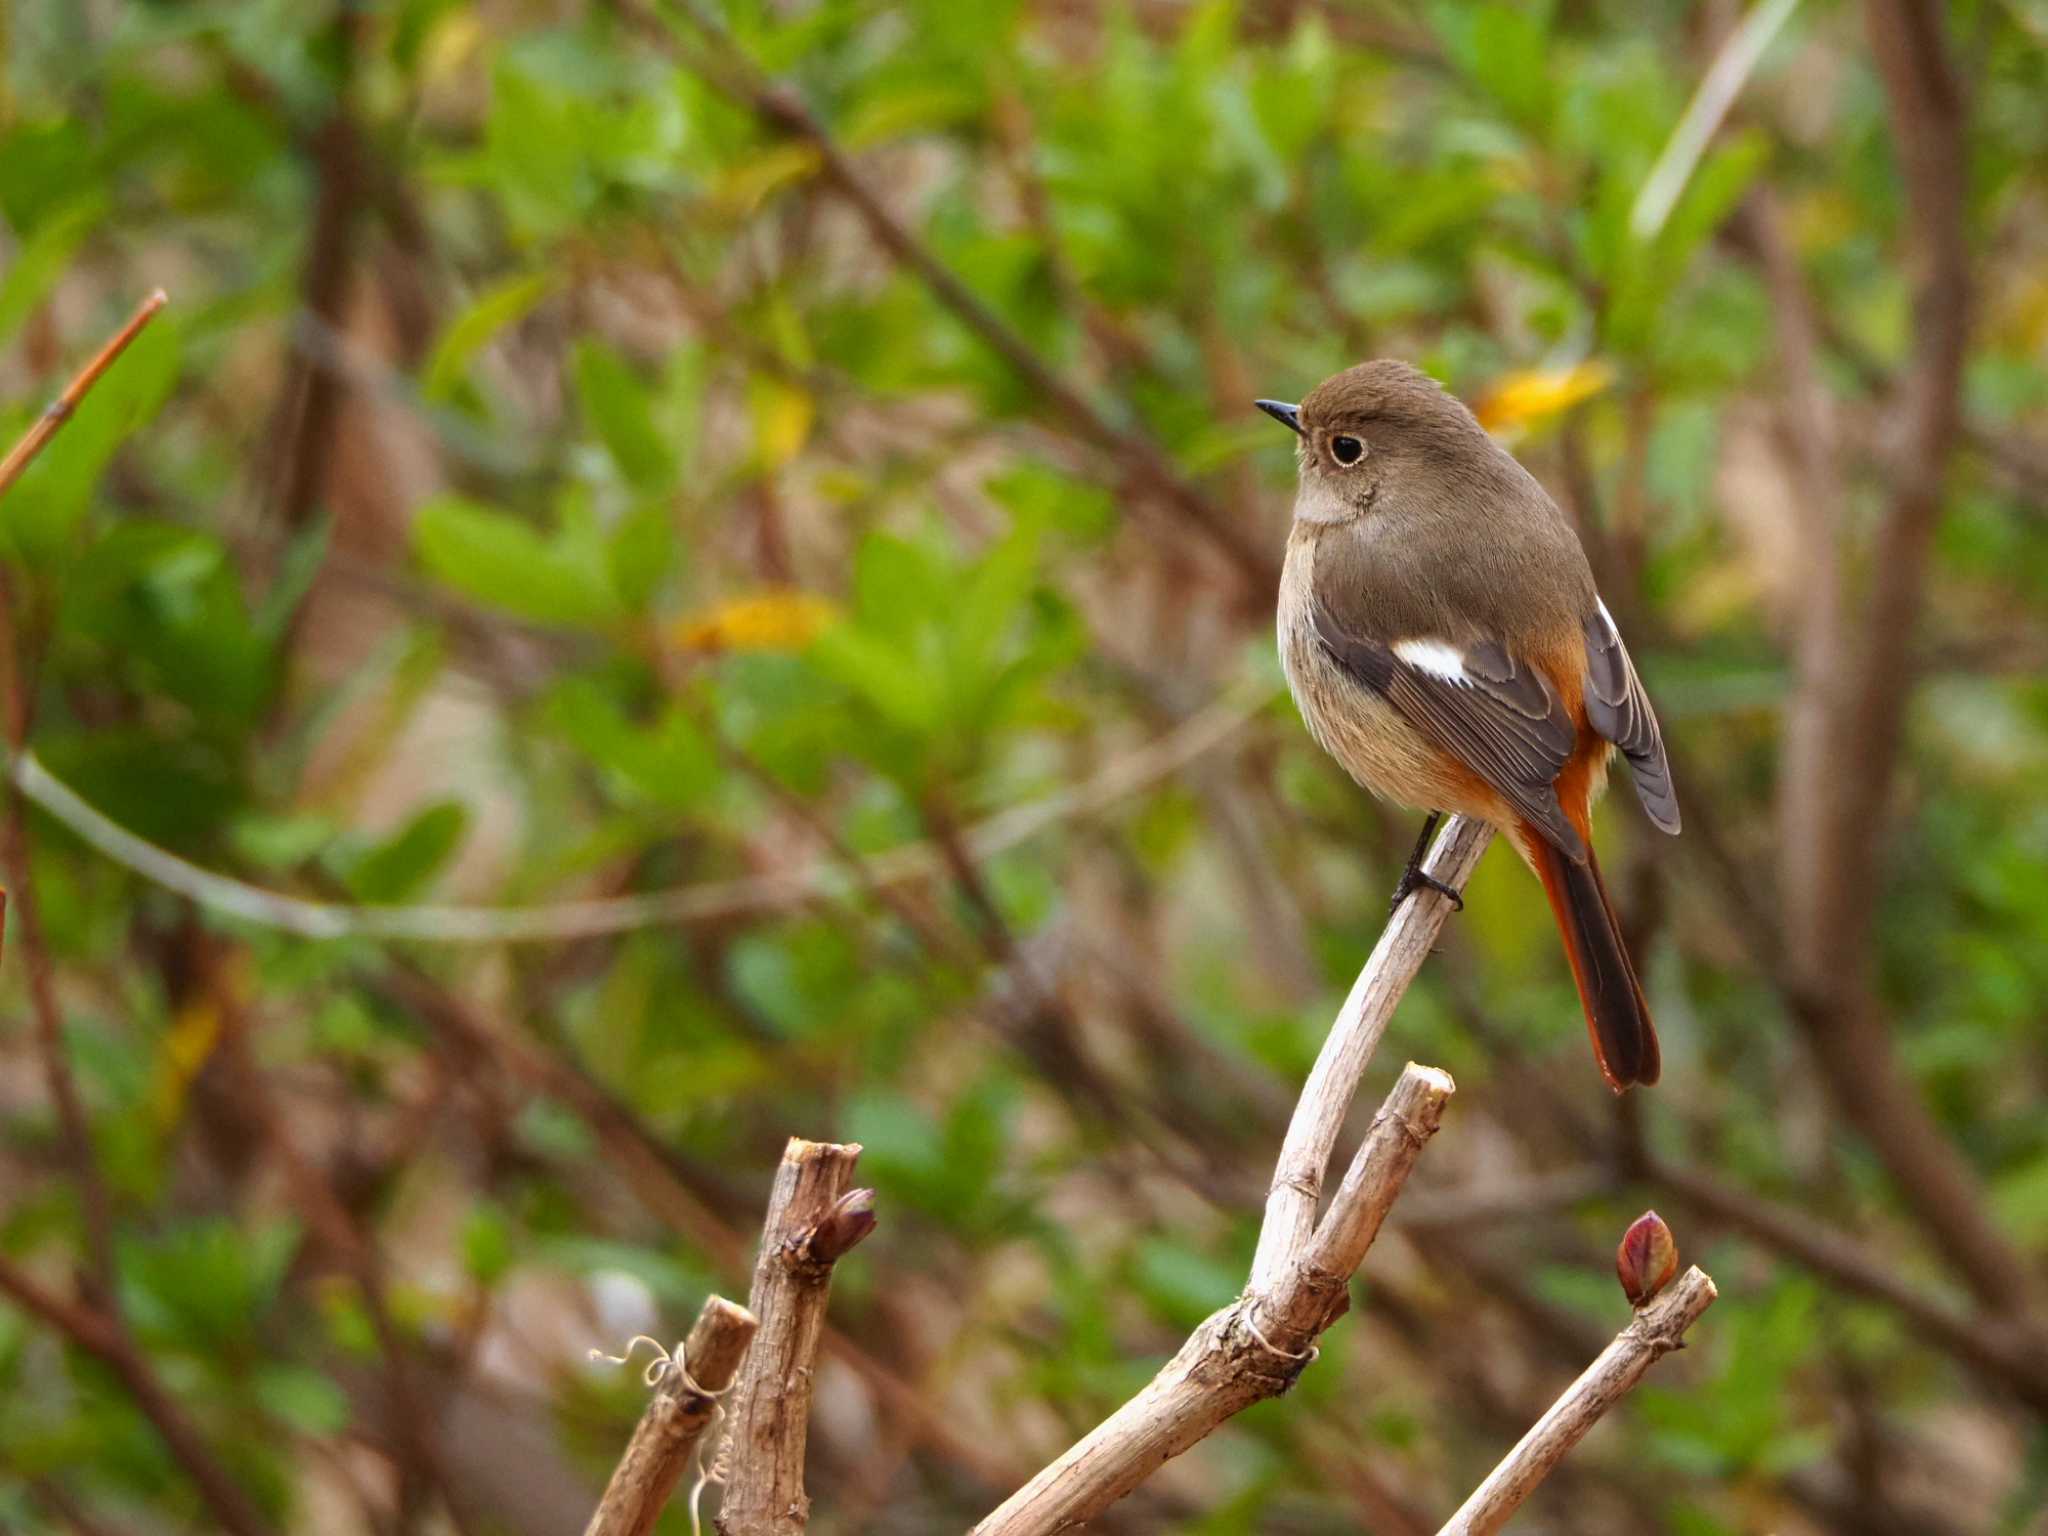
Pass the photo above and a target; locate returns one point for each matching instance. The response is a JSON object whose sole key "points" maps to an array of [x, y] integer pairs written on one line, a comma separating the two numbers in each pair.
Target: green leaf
{"points": [[499, 560], [617, 407], [42, 258], [2020, 1198], [486, 1244], [670, 763], [907, 693], [404, 862], [504, 303], [304, 1399]]}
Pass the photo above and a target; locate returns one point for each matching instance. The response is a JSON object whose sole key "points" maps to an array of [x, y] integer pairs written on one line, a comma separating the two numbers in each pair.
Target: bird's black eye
{"points": [[1346, 450]]}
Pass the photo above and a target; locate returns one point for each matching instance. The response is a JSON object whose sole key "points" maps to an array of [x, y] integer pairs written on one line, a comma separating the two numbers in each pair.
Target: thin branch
{"points": [[1723, 82], [1333, 1081], [656, 1182], [813, 1219], [1653, 1333], [2003, 1352], [709, 901], [104, 1338], [684, 1406], [309, 405], [61, 409], [1252, 1349], [74, 1127]]}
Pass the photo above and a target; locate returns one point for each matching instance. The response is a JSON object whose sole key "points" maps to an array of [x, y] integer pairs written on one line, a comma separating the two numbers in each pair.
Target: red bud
{"points": [[851, 1218], [1646, 1259]]}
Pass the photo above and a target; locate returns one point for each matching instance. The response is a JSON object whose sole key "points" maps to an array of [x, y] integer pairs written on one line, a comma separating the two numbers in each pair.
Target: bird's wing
{"points": [[1619, 709], [1497, 715]]}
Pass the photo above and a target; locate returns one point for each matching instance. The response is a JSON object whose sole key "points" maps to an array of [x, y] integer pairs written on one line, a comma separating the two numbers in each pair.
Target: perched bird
{"points": [[1440, 631]]}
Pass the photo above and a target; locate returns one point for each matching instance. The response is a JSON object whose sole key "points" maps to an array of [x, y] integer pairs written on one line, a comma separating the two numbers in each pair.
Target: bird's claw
{"points": [[1413, 880]]}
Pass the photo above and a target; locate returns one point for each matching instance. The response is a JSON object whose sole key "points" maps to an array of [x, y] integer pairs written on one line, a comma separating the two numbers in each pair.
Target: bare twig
{"points": [[310, 402], [96, 1324], [102, 1336], [74, 1127], [683, 1407], [1118, 780], [1653, 1333], [60, 410], [1722, 83], [2001, 1350], [1255, 1347], [1250, 1350], [812, 1221], [1333, 1081]]}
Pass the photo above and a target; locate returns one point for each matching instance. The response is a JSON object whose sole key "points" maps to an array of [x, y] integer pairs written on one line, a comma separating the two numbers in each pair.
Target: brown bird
{"points": [[1441, 634]]}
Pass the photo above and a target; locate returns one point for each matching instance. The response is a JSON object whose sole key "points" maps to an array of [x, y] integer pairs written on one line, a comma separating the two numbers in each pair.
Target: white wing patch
{"points": [[1435, 658]]}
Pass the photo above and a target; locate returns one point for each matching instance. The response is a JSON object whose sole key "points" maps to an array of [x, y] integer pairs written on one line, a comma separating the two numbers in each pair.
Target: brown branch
{"points": [[684, 1406], [812, 1221], [1252, 1349], [310, 403], [20, 693], [2000, 1352], [1927, 114], [419, 1450], [60, 410], [654, 1180], [1333, 1081], [1129, 451], [102, 1335], [1653, 1333], [95, 1325], [74, 1128], [1854, 670]]}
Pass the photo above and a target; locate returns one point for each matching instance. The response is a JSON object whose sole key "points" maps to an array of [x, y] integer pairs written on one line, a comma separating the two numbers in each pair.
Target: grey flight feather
{"points": [[1619, 709]]}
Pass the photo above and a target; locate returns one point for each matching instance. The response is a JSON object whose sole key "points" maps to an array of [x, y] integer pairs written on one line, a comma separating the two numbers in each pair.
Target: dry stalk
{"points": [[60, 410], [684, 1404], [1255, 1347], [1252, 1349], [1653, 1333], [813, 1220]]}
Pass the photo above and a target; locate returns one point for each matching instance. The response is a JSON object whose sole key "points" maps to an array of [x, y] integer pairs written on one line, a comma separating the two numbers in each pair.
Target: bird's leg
{"points": [[1413, 879]]}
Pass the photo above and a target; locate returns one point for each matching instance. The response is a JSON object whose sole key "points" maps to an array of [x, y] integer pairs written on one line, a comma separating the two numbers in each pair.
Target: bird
{"points": [[1441, 633]]}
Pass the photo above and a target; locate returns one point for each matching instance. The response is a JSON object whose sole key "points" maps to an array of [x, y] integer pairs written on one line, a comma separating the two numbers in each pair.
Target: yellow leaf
{"points": [[1518, 399], [450, 44], [194, 1032], [746, 186], [782, 422], [781, 619]]}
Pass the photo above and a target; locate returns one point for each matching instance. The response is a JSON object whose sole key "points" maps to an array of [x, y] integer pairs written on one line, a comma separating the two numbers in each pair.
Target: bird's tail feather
{"points": [[1624, 1040]]}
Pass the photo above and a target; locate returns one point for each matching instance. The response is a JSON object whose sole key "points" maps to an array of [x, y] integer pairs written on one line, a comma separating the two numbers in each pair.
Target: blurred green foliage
{"points": [[666, 533]]}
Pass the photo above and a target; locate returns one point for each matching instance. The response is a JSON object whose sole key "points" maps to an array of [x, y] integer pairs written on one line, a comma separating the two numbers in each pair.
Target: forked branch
{"points": [[1251, 1350], [1255, 1347]]}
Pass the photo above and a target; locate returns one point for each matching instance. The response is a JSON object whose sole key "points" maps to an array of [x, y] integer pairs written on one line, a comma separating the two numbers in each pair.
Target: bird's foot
{"points": [[1412, 877], [1413, 880]]}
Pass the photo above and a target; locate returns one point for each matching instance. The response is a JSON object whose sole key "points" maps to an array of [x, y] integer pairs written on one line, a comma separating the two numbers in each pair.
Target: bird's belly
{"points": [[1370, 739]]}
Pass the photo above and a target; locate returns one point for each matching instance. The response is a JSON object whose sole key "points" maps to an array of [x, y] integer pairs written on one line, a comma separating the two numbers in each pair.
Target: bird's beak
{"points": [[1289, 416]]}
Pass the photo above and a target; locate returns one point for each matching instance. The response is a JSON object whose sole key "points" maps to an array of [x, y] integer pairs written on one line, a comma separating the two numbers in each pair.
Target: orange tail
{"points": [[1624, 1040]]}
